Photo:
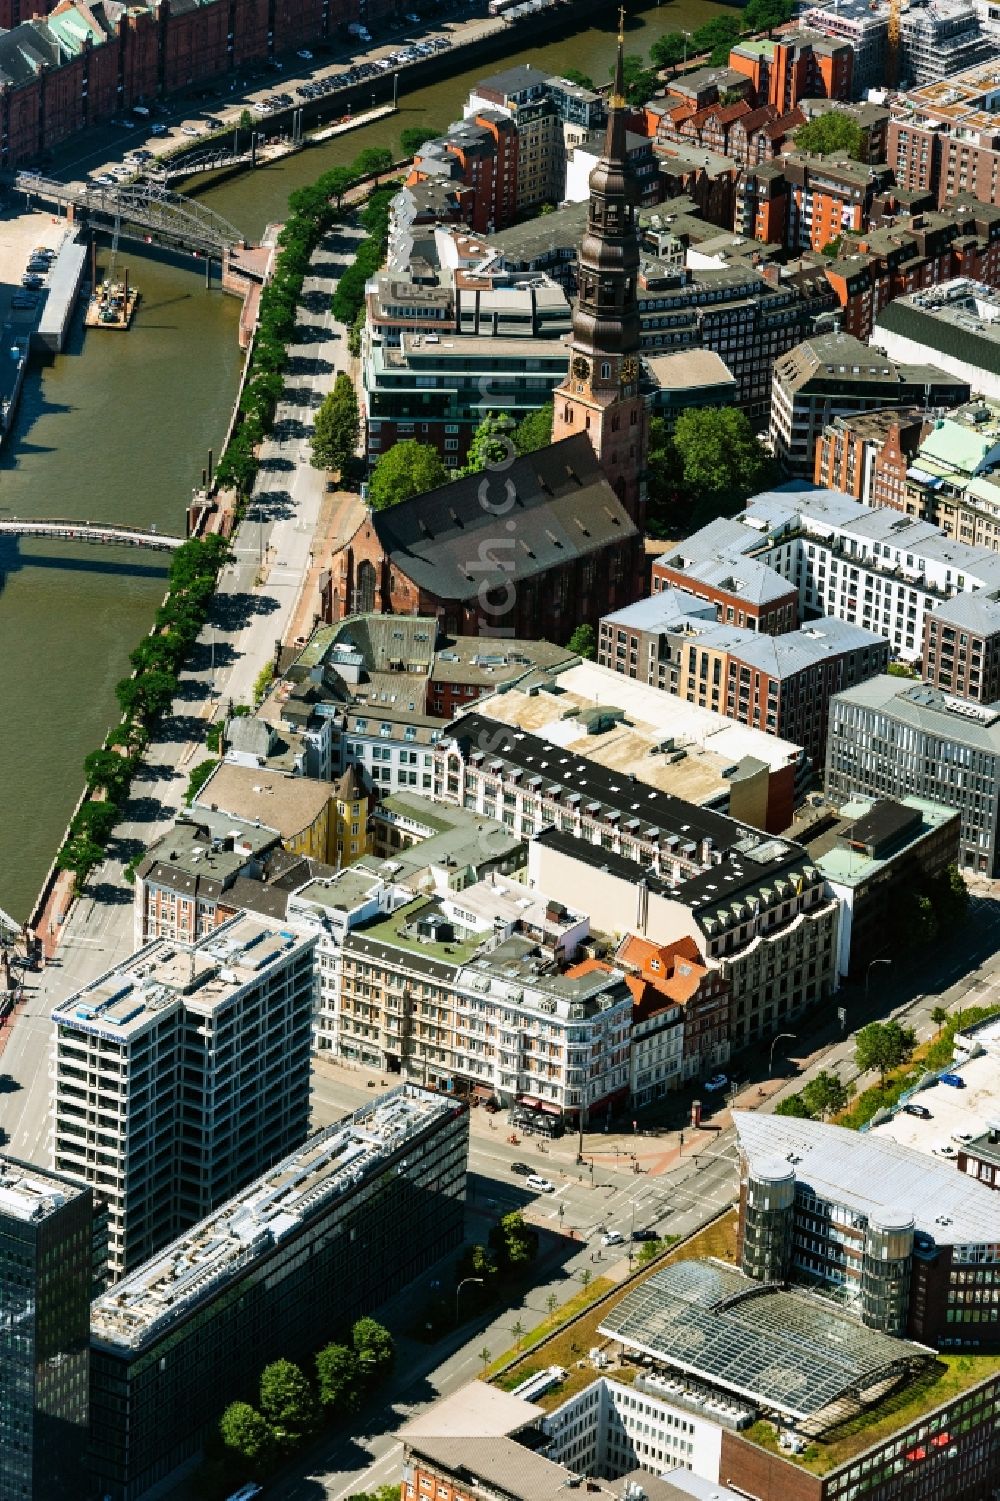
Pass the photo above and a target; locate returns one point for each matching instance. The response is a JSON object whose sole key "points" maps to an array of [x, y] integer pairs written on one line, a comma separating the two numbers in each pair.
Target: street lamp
{"points": [[868, 972], [774, 1043], [687, 38], [464, 1283]]}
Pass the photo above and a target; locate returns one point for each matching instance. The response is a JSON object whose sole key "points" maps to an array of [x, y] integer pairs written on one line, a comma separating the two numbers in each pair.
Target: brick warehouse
{"points": [[79, 65]]}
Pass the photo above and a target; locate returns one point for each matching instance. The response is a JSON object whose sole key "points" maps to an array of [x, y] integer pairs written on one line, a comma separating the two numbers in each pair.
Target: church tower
{"points": [[600, 395]]}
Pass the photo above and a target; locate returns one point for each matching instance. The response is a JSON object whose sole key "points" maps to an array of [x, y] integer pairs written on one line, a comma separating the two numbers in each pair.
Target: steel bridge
{"points": [[90, 531], [143, 210]]}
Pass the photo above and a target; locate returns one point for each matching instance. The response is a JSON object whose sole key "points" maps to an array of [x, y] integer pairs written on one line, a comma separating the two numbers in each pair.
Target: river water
{"points": [[118, 429]]}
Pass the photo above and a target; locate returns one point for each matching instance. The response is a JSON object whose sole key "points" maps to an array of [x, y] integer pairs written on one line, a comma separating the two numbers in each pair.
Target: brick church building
{"points": [[531, 551], [555, 539]]}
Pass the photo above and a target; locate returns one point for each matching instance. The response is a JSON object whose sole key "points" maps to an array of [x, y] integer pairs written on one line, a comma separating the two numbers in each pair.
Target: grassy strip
{"points": [[930, 1057]]}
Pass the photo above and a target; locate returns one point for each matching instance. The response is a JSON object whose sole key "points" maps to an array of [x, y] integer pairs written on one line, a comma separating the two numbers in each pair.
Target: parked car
{"points": [[612, 1238], [159, 129], [521, 1168], [539, 1184], [32, 282], [717, 1082], [920, 1111], [955, 1080], [648, 1234], [306, 56]]}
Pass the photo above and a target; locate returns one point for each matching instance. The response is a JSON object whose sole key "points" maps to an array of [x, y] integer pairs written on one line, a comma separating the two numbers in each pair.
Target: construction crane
{"points": [[893, 40]]}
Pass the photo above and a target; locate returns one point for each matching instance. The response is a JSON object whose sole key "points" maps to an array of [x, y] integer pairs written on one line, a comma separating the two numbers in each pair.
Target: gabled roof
{"points": [[563, 508]]}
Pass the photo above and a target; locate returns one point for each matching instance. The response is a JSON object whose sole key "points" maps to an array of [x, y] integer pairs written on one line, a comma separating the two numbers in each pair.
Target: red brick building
{"points": [[480, 155], [867, 455], [530, 551], [744, 593], [78, 65], [798, 65]]}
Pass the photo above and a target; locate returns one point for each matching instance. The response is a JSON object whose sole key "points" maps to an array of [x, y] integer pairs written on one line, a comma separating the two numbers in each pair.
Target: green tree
{"points": [[108, 770], [375, 1349], [80, 854], [883, 1046], [584, 642], [795, 1106], [355, 332], [338, 1378], [97, 819], [492, 445], [586, 1277], [939, 1016], [640, 81], [717, 37], [582, 80], [901, 670], [514, 1243], [517, 1330], [337, 181], [374, 159], [247, 1434], [711, 462], [667, 51], [766, 15], [535, 430], [485, 1355], [408, 468], [825, 1095], [649, 1250], [833, 131], [287, 1402], [245, 121], [413, 137], [338, 424]]}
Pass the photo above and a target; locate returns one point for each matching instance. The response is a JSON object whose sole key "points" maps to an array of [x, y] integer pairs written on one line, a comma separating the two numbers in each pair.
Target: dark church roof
{"points": [[548, 508]]}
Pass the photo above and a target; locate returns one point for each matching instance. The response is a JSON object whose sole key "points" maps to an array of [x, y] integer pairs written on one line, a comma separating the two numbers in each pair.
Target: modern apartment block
{"points": [[835, 375], [181, 1074], [889, 736], [907, 1243], [962, 646], [328, 1234], [942, 137], [781, 684], [740, 590], [550, 114], [438, 389], [869, 566], [940, 39], [815, 199], [866, 27], [795, 65], [45, 1287]]}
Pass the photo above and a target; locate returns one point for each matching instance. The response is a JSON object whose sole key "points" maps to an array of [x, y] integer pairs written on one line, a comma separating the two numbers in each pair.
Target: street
{"points": [[253, 609]]}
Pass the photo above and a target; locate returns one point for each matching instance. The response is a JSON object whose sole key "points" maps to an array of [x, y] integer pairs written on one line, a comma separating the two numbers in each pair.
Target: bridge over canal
{"points": [[139, 211], [90, 531]]}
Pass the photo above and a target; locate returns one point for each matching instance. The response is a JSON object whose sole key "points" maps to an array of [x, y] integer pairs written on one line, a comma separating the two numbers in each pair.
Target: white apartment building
{"points": [[870, 566], [182, 1074], [655, 1424]]}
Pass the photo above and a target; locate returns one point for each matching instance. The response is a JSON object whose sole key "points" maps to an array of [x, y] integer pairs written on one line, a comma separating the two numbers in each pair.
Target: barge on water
{"points": [[112, 305]]}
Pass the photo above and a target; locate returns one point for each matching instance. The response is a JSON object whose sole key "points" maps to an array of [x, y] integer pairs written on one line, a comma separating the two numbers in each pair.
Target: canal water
{"points": [[118, 429]]}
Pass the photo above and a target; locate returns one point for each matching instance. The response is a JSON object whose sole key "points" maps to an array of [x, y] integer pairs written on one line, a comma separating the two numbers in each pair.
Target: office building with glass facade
{"points": [[45, 1284], [328, 1234]]}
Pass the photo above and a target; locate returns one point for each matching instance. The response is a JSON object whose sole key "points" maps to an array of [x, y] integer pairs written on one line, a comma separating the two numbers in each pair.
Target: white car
{"points": [[306, 56], [104, 180], [717, 1082], [612, 1238], [190, 130], [539, 1185]]}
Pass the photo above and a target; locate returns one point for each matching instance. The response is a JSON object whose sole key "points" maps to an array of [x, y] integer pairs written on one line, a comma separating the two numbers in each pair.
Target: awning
{"points": [[484, 1091], [532, 1104], [548, 1108]]}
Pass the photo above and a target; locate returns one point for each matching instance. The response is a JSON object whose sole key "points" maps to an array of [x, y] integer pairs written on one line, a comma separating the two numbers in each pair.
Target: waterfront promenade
{"points": [[255, 607]]}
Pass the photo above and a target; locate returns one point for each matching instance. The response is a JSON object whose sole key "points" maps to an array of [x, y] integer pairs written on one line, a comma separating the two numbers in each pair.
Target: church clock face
{"points": [[630, 369], [581, 369]]}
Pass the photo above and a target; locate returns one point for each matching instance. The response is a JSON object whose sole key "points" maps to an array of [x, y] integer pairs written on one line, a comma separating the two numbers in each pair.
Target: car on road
{"points": [[955, 1080], [190, 130], [612, 1238], [104, 180], [32, 281], [539, 1185], [715, 1083], [305, 55], [522, 1169], [159, 129], [648, 1234], [920, 1111]]}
